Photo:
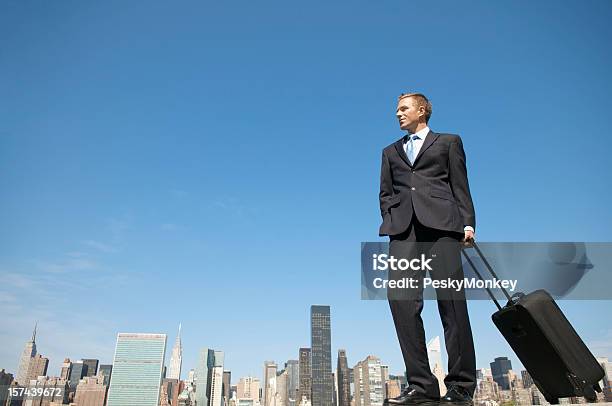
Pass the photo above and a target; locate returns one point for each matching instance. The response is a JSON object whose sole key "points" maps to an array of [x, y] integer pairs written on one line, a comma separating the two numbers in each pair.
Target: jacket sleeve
{"points": [[459, 182], [386, 184]]}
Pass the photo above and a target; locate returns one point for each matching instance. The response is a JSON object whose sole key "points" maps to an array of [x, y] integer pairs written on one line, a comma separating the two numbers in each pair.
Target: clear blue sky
{"points": [[218, 163]]}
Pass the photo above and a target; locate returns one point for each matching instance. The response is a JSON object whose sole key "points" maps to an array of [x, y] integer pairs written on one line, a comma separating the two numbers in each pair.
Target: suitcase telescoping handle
{"points": [[489, 268]]}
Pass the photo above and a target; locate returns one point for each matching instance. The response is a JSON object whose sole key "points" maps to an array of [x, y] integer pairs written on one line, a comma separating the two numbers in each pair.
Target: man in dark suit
{"points": [[426, 207]]}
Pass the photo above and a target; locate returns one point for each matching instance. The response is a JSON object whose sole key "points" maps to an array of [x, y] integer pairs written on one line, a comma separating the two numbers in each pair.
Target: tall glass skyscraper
{"points": [[293, 376], [137, 370], [92, 366], [320, 337], [499, 369], [209, 378], [78, 371]]}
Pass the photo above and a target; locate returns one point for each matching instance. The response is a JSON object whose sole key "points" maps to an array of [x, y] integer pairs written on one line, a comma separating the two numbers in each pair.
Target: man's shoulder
{"points": [[391, 146], [448, 137]]}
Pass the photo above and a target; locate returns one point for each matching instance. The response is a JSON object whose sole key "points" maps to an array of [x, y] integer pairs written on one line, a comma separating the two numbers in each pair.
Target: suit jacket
{"points": [[435, 188]]}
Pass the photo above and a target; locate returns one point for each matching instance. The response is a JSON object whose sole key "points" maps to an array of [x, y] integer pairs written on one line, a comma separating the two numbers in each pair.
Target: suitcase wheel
{"points": [[589, 394]]}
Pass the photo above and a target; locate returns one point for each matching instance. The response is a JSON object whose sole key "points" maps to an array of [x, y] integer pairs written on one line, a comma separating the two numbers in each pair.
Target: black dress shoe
{"points": [[410, 396], [456, 395]]}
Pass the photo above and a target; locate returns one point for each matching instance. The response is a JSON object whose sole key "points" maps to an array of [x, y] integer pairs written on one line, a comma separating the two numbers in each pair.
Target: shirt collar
{"points": [[421, 133]]}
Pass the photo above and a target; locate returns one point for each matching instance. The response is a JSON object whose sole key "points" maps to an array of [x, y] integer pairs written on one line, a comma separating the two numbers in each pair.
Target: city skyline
{"points": [[433, 345], [139, 365], [138, 376]]}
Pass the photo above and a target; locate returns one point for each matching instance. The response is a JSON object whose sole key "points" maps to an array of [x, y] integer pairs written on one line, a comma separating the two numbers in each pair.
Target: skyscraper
{"points": [[106, 371], [38, 367], [170, 391], [384, 373], [216, 381], [208, 378], [527, 379], [269, 381], [368, 382], [176, 359], [29, 351], [91, 391], [5, 381], [227, 387], [78, 371], [293, 381], [305, 388], [92, 366], [499, 369], [280, 395], [434, 354], [320, 336], [137, 370], [248, 388], [344, 383], [66, 369]]}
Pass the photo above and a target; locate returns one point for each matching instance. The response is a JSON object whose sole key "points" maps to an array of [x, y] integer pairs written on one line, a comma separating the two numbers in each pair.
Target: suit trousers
{"points": [[406, 306]]}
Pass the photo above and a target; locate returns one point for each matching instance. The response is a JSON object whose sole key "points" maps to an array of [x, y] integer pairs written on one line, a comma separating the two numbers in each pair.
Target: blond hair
{"points": [[421, 101]]}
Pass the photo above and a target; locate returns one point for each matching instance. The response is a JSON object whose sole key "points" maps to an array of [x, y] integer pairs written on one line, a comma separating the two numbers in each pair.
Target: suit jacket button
{"points": [[412, 188]]}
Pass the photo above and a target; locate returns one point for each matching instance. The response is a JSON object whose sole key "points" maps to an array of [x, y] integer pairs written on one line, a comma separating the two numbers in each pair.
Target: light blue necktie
{"points": [[411, 148]]}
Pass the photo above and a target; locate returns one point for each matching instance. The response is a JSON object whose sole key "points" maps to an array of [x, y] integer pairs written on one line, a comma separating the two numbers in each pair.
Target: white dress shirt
{"points": [[418, 143]]}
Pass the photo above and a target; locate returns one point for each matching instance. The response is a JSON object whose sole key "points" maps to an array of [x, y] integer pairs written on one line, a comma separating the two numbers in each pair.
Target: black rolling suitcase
{"points": [[555, 356]]}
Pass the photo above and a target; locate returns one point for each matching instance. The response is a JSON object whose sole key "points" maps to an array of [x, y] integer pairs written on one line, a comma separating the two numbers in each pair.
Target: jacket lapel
{"points": [[430, 138], [399, 146]]}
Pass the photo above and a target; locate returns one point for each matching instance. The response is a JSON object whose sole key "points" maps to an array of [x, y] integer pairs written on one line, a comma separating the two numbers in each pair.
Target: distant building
{"points": [[77, 372], [344, 383], [227, 387], [393, 388], [106, 371], [269, 382], [434, 353], [66, 369], [38, 367], [176, 358], [92, 366], [281, 396], [170, 391], [57, 391], [293, 381], [6, 380], [305, 376], [368, 382], [248, 389], [320, 344], [29, 351], [137, 370], [606, 382], [526, 378], [487, 390], [384, 373], [91, 391], [209, 378], [499, 368]]}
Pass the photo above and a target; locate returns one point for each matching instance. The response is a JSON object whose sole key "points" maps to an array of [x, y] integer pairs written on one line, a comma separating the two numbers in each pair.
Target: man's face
{"points": [[408, 114]]}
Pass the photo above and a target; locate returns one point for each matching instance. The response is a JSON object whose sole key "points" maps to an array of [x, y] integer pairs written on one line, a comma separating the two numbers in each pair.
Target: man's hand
{"points": [[468, 239]]}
